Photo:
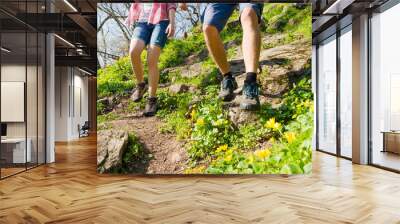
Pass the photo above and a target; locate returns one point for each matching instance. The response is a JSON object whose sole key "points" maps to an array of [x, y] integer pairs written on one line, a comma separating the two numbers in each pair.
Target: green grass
{"points": [[107, 117], [115, 79]]}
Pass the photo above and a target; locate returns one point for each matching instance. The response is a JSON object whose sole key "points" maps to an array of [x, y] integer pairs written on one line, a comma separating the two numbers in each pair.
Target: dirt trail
{"points": [[169, 155]]}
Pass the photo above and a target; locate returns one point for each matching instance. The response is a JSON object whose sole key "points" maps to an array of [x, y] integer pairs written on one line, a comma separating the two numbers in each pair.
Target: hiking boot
{"points": [[228, 85], [139, 92], [151, 107], [250, 100]]}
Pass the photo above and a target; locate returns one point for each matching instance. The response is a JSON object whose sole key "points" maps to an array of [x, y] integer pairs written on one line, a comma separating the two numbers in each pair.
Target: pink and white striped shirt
{"points": [[158, 12]]}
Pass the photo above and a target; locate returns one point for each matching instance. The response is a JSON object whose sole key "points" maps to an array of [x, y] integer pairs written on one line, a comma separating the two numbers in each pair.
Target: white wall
{"points": [[62, 81], [70, 83]]}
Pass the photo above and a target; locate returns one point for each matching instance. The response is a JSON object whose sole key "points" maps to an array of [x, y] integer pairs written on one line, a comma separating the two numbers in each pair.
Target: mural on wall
{"points": [[171, 100]]}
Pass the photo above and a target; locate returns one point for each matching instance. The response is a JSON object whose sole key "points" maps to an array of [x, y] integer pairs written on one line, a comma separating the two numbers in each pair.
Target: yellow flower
{"points": [[220, 122], [308, 103], [222, 148], [272, 124], [263, 153], [250, 158], [228, 158], [195, 170], [290, 136], [193, 114], [272, 140], [200, 122]]}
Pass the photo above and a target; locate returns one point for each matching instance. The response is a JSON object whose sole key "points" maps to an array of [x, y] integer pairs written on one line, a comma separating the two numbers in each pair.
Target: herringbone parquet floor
{"points": [[70, 191]]}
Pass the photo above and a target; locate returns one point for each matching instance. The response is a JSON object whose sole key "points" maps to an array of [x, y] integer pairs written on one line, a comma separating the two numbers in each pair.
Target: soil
{"points": [[168, 154]]}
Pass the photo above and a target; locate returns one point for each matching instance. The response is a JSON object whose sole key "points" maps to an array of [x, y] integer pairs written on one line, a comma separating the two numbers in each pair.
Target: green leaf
{"points": [[242, 165], [307, 168], [286, 170], [295, 169]]}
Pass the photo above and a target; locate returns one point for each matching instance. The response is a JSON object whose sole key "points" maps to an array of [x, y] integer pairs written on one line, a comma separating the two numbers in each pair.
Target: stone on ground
{"points": [[111, 145]]}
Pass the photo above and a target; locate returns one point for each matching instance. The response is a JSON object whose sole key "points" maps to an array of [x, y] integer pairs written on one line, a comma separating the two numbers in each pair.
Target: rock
{"points": [[232, 44], [240, 81], [120, 106], [175, 157], [113, 100], [178, 88], [111, 145], [237, 67], [195, 58], [192, 70], [109, 103], [192, 89], [103, 101], [239, 116]]}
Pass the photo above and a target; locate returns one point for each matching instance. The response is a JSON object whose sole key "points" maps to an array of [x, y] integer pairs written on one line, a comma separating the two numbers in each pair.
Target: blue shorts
{"points": [[217, 14], [151, 34]]}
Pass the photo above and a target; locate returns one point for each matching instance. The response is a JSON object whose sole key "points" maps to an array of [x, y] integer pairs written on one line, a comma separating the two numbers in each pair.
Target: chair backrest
{"points": [[86, 125]]}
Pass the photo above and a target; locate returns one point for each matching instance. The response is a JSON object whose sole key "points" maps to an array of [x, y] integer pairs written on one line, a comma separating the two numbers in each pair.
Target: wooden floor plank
{"points": [[70, 191]]}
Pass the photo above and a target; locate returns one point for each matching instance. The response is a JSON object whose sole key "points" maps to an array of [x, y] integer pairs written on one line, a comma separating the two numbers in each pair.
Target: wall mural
{"points": [[191, 89]]}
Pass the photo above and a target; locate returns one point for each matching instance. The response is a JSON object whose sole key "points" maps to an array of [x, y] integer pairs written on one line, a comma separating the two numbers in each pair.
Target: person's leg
{"points": [[251, 39], [216, 48], [136, 48], [153, 54], [139, 41], [157, 42], [214, 19], [250, 17]]}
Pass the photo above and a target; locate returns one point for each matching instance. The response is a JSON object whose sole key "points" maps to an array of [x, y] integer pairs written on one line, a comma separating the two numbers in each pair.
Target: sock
{"points": [[141, 84], [251, 77], [228, 75], [152, 98]]}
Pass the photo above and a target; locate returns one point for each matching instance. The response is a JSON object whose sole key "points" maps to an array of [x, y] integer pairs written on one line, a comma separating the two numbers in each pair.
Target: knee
{"points": [[249, 18], [209, 29], [152, 59], [134, 52]]}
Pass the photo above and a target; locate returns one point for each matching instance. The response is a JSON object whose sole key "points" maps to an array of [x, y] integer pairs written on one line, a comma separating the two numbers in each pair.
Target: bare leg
{"points": [[216, 48], [135, 51], [153, 54], [251, 39]]}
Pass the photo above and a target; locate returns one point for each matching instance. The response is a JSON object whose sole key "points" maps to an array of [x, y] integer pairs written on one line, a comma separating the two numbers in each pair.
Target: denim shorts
{"points": [[217, 14], [151, 34]]}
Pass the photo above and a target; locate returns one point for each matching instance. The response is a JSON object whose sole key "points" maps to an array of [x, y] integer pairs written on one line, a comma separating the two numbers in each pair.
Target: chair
{"points": [[84, 130]]}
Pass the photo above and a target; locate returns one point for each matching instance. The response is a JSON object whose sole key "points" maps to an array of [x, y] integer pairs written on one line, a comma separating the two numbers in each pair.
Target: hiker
{"points": [[154, 23], [214, 18]]}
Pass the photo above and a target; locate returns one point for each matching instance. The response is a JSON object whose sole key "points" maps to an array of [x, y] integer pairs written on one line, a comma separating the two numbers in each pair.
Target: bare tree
{"points": [[188, 19], [117, 13]]}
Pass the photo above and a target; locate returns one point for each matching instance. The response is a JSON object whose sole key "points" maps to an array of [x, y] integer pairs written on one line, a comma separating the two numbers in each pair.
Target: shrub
{"points": [[134, 158], [295, 102], [115, 79], [291, 154], [211, 128]]}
